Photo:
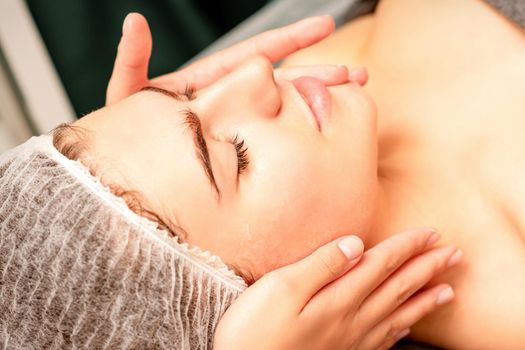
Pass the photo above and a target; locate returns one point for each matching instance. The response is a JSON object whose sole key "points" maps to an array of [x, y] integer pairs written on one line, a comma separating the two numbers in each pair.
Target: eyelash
{"points": [[189, 92], [242, 154], [240, 147]]}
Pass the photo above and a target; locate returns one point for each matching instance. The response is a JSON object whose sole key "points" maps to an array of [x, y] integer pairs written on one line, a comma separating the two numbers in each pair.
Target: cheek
{"points": [[302, 193], [282, 182], [290, 211]]}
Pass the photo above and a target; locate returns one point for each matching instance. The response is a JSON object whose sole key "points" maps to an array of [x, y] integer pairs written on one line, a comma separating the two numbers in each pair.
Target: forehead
{"points": [[143, 144]]}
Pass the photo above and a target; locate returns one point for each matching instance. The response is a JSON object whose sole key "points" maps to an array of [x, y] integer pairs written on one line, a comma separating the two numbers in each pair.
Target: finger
{"points": [[274, 44], [406, 281], [328, 74], [130, 72], [324, 265], [358, 75], [381, 261], [386, 333]]}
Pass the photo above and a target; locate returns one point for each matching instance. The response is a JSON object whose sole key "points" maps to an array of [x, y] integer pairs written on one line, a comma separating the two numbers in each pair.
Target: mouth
{"points": [[316, 96]]}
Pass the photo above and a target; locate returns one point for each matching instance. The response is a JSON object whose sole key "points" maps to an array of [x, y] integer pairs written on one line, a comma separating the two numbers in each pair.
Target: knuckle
{"points": [[391, 264], [438, 263], [426, 305], [391, 333], [403, 291], [389, 259], [328, 264], [413, 241], [417, 238], [422, 241]]}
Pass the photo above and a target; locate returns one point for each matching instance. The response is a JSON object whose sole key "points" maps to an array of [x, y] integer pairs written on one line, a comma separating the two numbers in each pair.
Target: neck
{"points": [[404, 198], [403, 192], [386, 216]]}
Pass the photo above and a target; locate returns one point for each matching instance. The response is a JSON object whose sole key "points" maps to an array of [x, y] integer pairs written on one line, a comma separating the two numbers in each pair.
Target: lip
{"points": [[317, 97]]}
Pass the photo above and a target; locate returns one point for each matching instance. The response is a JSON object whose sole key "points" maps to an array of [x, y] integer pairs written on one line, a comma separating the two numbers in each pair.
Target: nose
{"points": [[250, 89]]}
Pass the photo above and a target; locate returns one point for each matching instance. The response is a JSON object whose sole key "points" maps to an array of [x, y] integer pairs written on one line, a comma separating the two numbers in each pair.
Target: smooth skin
{"points": [[292, 148], [330, 301], [451, 108], [130, 72], [322, 299]]}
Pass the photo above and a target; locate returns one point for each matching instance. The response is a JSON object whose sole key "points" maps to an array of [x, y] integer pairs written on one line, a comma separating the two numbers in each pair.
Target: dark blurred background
{"points": [[85, 33]]}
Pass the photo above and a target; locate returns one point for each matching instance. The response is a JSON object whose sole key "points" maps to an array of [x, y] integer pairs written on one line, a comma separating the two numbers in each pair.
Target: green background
{"points": [[82, 36]]}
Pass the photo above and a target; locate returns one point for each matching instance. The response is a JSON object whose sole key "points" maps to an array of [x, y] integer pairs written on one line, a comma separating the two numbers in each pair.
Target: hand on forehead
{"points": [[130, 72]]}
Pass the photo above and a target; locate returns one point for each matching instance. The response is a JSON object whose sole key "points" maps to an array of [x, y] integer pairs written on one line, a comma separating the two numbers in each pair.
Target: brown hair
{"points": [[73, 142]]}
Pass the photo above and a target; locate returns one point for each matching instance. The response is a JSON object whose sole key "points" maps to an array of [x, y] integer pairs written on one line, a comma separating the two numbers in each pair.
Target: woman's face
{"points": [[302, 186]]}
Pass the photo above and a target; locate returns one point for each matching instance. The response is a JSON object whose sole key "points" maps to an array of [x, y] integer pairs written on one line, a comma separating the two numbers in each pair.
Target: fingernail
{"points": [[352, 247], [402, 334], [434, 237], [455, 258], [445, 296]]}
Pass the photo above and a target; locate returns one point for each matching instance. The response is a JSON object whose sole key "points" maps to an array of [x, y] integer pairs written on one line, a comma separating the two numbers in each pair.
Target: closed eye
{"points": [[242, 154], [194, 124]]}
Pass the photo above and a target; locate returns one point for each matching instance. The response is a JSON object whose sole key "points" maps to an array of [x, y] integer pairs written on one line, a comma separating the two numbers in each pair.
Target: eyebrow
{"points": [[194, 124]]}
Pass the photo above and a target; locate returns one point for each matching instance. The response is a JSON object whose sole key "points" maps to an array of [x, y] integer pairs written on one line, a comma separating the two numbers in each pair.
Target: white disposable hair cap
{"points": [[79, 269]]}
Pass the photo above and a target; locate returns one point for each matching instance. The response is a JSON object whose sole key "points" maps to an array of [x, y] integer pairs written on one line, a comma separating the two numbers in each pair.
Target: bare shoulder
{"points": [[489, 309]]}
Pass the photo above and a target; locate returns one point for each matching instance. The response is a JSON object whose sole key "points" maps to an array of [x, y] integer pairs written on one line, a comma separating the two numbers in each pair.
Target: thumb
{"points": [[323, 266], [130, 72]]}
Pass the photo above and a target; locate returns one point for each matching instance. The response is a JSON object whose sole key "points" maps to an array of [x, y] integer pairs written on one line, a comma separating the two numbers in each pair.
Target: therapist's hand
{"points": [[130, 72], [341, 298]]}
